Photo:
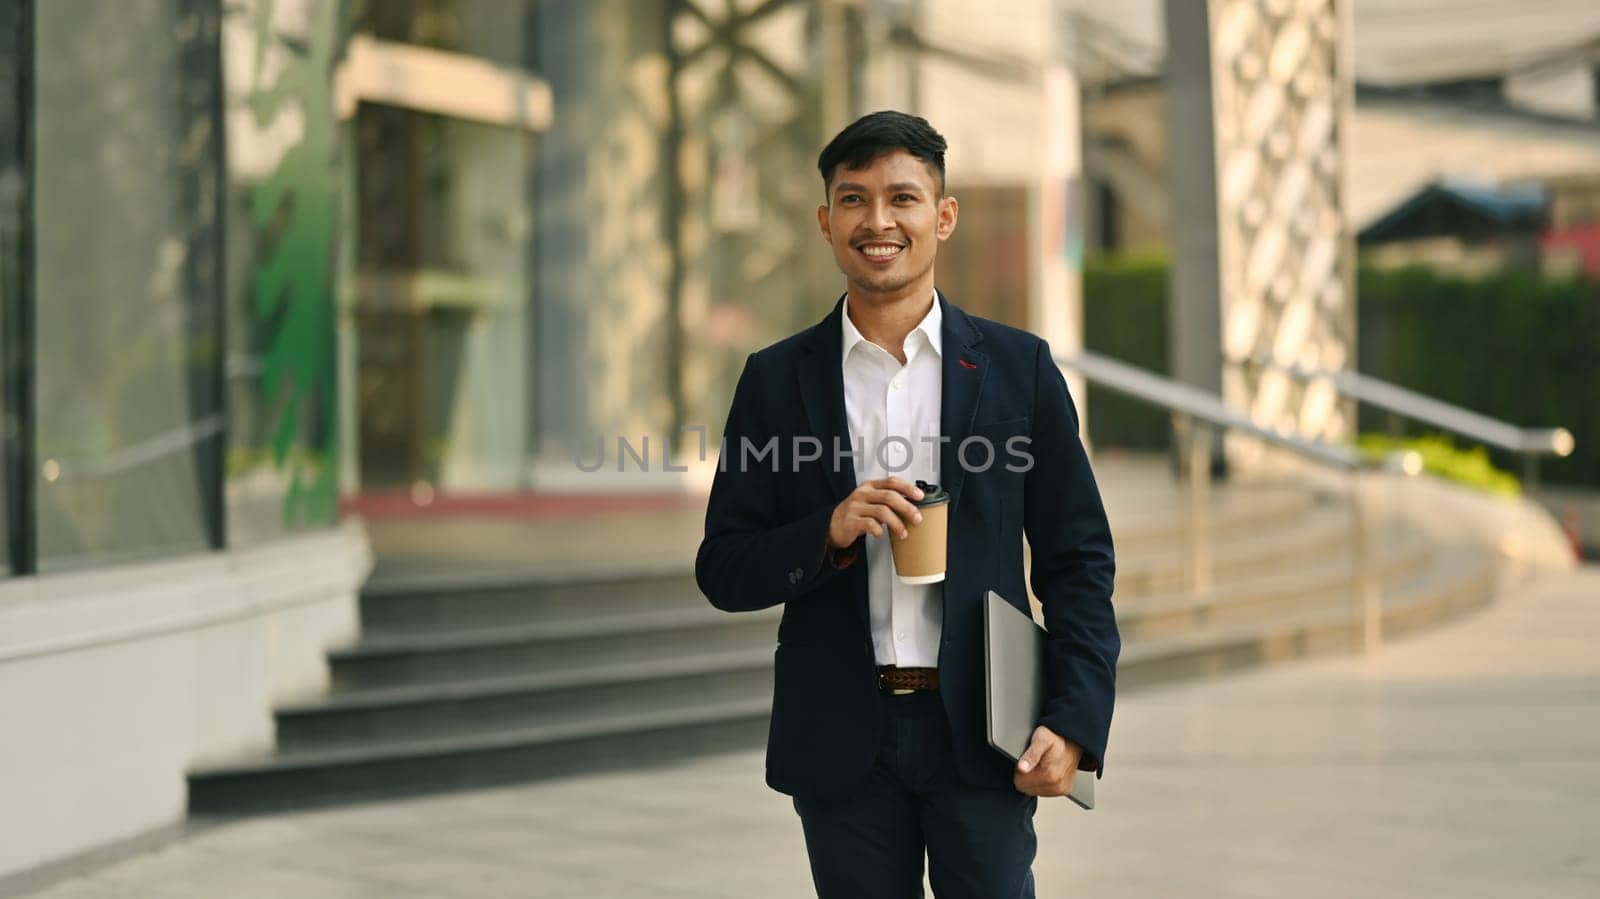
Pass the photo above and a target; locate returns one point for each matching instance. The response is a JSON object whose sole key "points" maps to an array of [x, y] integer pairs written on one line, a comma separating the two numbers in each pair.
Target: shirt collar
{"points": [[930, 326]]}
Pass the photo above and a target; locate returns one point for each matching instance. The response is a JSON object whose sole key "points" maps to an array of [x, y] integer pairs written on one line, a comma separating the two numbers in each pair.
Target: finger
{"points": [[905, 509], [858, 523], [900, 486], [877, 496], [875, 486], [901, 506], [1031, 784], [889, 519], [1034, 754], [1039, 784]]}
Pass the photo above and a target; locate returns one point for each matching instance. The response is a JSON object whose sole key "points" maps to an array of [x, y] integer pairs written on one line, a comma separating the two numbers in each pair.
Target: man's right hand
{"points": [[872, 507]]}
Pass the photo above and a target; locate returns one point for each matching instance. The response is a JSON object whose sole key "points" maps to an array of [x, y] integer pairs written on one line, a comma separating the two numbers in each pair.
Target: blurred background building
{"points": [[1469, 155], [270, 269]]}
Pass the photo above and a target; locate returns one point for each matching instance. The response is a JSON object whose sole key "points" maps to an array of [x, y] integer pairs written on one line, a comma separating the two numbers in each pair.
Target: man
{"points": [[877, 721]]}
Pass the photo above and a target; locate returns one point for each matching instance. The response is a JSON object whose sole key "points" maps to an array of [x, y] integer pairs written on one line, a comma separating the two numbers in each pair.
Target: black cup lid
{"points": [[932, 494]]}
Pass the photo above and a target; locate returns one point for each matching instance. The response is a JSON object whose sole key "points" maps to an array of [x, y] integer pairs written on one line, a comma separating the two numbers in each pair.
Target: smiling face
{"points": [[884, 223]]}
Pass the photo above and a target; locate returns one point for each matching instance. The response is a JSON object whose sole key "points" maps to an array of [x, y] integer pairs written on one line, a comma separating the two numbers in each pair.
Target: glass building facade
{"points": [[111, 271], [168, 378], [523, 285], [259, 258]]}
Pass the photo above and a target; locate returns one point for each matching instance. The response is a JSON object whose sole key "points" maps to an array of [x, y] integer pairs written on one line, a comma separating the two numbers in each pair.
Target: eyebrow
{"points": [[897, 187]]}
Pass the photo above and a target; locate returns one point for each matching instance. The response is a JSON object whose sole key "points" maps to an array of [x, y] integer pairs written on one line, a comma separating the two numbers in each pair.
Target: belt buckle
{"points": [[898, 692]]}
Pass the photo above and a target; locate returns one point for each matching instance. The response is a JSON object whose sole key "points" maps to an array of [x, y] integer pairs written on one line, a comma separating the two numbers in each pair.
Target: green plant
{"points": [[295, 210], [1125, 317], [1440, 456]]}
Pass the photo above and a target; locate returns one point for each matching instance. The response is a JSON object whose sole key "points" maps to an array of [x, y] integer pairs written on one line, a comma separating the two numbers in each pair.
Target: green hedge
{"points": [[1125, 316], [1511, 346], [1441, 456]]}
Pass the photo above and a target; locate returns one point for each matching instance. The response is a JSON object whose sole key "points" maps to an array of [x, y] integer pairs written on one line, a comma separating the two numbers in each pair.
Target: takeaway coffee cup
{"points": [[919, 558]]}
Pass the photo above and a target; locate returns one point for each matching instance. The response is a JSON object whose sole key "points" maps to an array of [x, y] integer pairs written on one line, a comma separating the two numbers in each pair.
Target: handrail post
{"points": [[1195, 445], [1367, 610]]}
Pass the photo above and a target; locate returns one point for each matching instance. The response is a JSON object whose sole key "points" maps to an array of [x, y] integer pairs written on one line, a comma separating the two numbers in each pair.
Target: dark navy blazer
{"points": [[766, 537]]}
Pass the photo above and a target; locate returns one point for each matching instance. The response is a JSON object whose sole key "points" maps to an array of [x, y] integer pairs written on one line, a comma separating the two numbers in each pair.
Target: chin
{"points": [[886, 282], [882, 284]]}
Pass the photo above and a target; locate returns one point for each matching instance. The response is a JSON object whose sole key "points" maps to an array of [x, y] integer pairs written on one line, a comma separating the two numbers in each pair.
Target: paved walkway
{"points": [[1461, 763]]}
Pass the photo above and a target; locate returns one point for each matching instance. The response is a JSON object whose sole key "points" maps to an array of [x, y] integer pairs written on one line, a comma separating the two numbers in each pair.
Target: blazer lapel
{"points": [[821, 376], [962, 371]]}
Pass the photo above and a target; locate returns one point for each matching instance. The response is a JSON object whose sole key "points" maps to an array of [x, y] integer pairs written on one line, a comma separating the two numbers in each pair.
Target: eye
{"points": [[849, 197], [910, 197]]}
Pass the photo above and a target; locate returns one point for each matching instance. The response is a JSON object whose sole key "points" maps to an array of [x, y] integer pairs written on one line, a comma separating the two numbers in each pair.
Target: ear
{"points": [[948, 209], [822, 224]]}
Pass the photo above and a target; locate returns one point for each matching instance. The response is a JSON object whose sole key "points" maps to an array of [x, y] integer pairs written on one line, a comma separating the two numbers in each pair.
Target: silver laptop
{"points": [[1013, 663]]}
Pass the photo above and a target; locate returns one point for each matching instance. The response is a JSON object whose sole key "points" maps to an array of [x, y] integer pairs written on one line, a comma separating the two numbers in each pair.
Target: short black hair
{"points": [[876, 134]]}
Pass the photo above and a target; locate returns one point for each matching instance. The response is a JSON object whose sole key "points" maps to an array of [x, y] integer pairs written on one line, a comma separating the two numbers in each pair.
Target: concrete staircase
{"points": [[470, 680]]}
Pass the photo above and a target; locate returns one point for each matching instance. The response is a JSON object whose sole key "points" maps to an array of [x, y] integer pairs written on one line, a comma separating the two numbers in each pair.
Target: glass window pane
{"points": [[441, 234], [440, 300], [126, 289], [677, 192], [286, 183]]}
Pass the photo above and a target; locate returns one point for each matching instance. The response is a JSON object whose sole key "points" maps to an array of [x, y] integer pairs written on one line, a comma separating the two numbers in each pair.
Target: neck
{"points": [[887, 319]]}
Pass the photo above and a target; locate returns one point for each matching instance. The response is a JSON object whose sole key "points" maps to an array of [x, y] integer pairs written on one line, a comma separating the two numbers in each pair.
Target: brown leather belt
{"points": [[900, 681]]}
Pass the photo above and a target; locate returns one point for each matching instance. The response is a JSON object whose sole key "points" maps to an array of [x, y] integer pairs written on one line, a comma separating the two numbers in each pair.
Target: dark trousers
{"points": [[979, 842]]}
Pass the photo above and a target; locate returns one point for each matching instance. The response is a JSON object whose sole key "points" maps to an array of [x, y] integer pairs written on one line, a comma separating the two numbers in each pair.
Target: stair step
{"points": [[348, 774], [1270, 594], [422, 604], [1145, 526], [528, 597], [1457, 581], [548, 647], [489, 705], [1319, 531], [594, 624]]}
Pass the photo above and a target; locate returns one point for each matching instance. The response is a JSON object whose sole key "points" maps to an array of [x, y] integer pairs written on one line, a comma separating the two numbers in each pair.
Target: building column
{"points": [[1259, 98]]}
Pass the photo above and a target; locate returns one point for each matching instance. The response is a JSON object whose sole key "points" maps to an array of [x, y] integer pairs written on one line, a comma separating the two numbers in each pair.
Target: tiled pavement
{"points": [[1461, 763]]}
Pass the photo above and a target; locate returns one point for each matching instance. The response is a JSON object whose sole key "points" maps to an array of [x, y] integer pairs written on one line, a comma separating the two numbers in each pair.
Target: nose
{"points": [[879, 218]]}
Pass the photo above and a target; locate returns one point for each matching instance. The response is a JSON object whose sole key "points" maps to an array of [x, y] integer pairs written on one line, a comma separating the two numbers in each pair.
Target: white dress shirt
{"points": [[884, 400]]}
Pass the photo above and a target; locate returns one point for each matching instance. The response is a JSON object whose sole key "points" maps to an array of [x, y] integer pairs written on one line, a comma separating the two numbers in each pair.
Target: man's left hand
{"points": [[1049, 765]]}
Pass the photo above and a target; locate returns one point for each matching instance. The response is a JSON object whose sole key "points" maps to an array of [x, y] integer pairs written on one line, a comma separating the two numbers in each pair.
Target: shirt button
{"points": [[895, 384], [900, 636], [796, 575]]}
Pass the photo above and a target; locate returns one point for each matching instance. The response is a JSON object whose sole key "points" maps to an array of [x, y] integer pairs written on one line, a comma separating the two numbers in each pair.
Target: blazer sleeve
{"points": [[1073, 571], [750, 559]]}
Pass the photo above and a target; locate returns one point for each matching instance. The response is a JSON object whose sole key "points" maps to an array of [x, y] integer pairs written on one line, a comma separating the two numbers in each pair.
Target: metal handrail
{"points": [[1530, 442], [1157, 390], [1193, 403]]}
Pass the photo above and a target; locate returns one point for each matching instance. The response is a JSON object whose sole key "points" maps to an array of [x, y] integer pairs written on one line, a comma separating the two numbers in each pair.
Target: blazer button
{"points": [[796, 574]]}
